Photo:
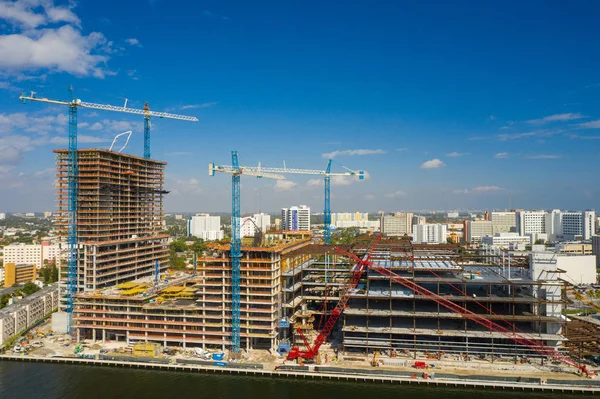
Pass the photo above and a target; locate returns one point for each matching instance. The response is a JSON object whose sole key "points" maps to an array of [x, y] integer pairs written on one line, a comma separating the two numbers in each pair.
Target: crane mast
{"points": [[235, 250]]}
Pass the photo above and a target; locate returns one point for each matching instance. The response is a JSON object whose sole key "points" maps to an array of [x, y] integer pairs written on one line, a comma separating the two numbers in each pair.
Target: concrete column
{"points": [[103, 336], [93, 335]]}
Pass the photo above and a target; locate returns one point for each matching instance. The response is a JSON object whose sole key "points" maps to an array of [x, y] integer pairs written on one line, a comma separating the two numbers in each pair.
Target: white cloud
{"points": [[314, 183], [456, 154], [183, 187], [133, 74], [501, 155], [590, 125], [33, 47], [284, 185], [536, 133], [369, 197], [478, 189], [543, 156], [486, 188], [194, 106], [337, 153], [133, 42], [396, 194], [81, 138], [556, 118], [432, 164], [96, 126], [492, 117], [26, 13]]}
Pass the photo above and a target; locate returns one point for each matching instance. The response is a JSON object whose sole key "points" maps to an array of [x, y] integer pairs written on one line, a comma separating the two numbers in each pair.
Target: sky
{"points": [[445, 105]]}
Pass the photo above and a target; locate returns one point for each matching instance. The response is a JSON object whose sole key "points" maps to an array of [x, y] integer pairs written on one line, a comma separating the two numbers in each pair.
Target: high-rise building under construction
{"points": [[119, 216]]}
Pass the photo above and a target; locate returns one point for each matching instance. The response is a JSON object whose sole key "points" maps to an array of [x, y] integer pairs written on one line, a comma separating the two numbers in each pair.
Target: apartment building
{"points": [[295, 218], [397, 224], [204, 226]]}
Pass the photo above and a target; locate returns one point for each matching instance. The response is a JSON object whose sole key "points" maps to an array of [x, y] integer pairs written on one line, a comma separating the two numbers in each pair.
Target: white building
{"points": [[568, 226], [362, 224], [579, 269], [477, 229], [398, 224], [295, 218], [23, 254], [348, 217], [429, 233], [452, 215], [263, 221], [1, 274], [53, 253], [417, 220], [507, 240], [204, 226], [558, 225], [504, 222], [530, 222], [2, 216]]}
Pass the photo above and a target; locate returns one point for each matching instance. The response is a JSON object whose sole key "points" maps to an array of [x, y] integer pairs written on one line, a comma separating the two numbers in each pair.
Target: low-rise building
{"points": [[18, 274], [575, 248], [506, 240], [398, 224], [24, 313]]}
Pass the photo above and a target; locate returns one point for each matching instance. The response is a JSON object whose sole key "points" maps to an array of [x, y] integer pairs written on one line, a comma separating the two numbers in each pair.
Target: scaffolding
{"points": [[119, 214]]}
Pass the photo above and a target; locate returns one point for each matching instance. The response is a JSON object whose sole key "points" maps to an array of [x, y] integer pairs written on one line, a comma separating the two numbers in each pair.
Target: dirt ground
{"points": [[63, 345]]}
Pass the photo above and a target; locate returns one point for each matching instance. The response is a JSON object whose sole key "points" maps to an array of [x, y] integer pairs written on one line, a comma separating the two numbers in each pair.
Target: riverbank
{"points": [[558, 386]]}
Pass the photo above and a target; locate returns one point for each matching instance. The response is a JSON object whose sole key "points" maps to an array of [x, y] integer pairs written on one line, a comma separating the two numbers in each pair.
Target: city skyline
{"points": [[452, 111]]}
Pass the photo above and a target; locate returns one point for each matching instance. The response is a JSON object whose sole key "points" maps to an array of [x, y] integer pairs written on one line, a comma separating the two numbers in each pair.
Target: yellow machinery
{"points": [[374, 361]]}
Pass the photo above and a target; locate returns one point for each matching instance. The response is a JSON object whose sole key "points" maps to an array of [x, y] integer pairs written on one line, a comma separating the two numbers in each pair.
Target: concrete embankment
{"points": [[583, 386]]}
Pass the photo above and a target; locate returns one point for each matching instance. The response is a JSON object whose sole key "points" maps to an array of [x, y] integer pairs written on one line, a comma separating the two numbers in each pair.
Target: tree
{"points": [[539, 241], [30, 288]]}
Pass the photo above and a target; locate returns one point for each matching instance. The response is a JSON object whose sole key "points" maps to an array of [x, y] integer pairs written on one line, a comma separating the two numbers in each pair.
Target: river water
{"points": [[53, 381]]}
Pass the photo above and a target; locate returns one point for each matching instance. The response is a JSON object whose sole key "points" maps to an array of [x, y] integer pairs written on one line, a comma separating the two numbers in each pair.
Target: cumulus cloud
{"points": [[432, 164], [396, 194], [30, 14], [33, 47], [284, 185], [501, 155], [556, 118], [337, 153], [456, 154], [133, 42]]}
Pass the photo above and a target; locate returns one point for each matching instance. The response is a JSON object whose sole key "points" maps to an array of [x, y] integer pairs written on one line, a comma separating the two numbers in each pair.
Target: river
{"points": [[54, 381]]}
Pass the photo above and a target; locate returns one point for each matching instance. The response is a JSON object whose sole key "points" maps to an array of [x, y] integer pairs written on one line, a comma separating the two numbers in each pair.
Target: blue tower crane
{"points": [[260, 171], [73, 172], [235, 251]]}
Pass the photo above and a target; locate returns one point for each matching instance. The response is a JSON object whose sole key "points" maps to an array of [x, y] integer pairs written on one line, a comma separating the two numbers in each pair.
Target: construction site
{"points": [[119, 217], [291, 296]]}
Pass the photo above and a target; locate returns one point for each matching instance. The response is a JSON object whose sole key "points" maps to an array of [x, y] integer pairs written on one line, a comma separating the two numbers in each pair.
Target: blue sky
{"points": [[447, 105]]}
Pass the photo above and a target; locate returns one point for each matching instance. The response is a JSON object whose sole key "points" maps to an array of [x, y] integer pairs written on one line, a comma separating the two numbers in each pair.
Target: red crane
{"points": [[521, 338], [311, 351]]}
